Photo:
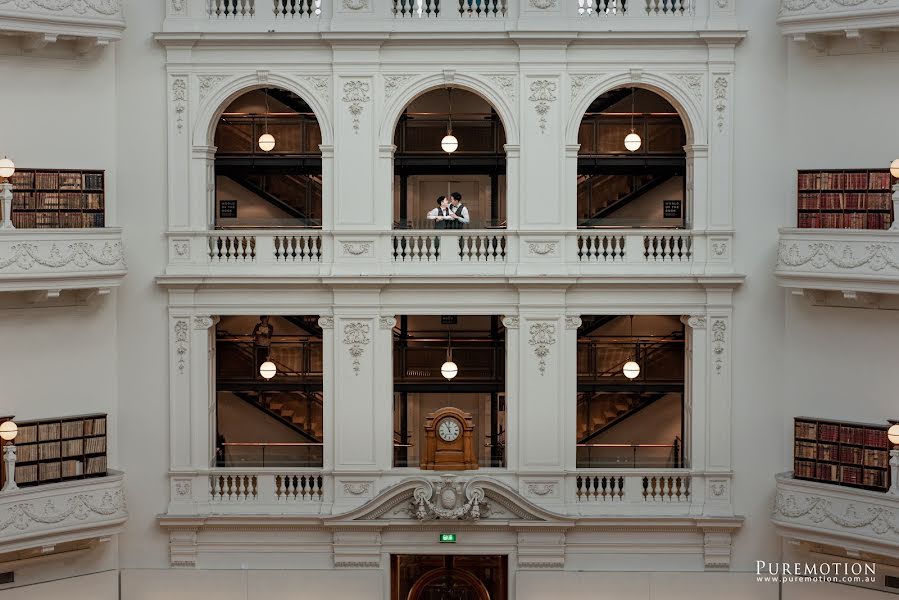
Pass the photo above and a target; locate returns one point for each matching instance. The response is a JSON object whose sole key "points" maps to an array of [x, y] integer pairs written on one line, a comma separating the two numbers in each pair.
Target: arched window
{"points": [[424, 171], [641, 186], [268, 165]]}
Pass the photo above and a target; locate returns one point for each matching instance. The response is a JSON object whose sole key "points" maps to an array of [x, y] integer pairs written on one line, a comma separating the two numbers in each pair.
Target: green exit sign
{"points": [[447, 538]]}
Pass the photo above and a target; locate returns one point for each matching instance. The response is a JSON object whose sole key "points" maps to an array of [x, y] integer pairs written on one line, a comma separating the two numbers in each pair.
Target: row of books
{"points": [[55, 180], [56, 220], [854, 220], [845, 200], [864, 180], [94, 445], [26, 474], [858, 435], [51, 200], [852, 475], [869, 457]]}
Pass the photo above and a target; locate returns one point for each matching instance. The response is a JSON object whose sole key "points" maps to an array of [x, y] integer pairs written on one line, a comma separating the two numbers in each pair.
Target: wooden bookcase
{"points": [[53, 450], [845, 199], [842, 453], [54, 199]]}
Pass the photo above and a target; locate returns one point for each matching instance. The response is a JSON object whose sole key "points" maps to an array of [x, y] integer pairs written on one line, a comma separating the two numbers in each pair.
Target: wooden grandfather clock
{"points": [[448, 441]]}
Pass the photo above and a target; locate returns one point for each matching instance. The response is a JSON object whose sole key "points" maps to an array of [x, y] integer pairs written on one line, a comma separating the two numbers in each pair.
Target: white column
{"points": [[180, 456], [541, 379], [180, 160], [326, 322], [355, 419], [568, 391], [202, 390], [513, 406], [695, 397], [354, 142], [697, 186]]}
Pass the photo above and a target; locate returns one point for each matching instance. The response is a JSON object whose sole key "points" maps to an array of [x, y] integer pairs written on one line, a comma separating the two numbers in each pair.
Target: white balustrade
{"points": [[232, 248], [231, 9], [297, 9], [600, 248], [298, 248], [411, 252], [231, 490], [487, 247], [613, 8], [668, 248], [671, 487]]}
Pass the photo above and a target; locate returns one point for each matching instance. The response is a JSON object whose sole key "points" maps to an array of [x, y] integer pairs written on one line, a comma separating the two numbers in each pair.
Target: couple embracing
{"points": [[449, 213]]}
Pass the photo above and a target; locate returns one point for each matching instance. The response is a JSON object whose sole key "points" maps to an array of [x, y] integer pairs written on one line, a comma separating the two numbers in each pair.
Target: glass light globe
{"points": [[631, 369], [7, 168], [893, 434], [8, 431], [633, 142], [449, 369], [449, 143], [266, 142], [894, 168], [268, 369]]}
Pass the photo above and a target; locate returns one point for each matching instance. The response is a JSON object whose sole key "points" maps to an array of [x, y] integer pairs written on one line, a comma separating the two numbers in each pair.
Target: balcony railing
{"points": [[803, 20], [821, 513], [60, 259], [437, 252], [90, 22], [45, 515], [855, 264], [402, 15]]}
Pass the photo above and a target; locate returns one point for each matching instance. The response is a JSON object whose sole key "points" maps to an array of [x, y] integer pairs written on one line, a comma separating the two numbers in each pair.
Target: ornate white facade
{"points": [[138, 342]]}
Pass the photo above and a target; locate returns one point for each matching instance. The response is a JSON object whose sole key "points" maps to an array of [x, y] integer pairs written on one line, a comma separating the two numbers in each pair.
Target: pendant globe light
{"points": [[894, 169], [449, 369], [268, 369], [449, 143], [633, 141], [266, 140], [631, 368]]}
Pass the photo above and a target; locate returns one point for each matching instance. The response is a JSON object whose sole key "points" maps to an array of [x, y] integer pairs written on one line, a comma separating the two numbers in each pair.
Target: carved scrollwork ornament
{"points": [[448, 500]]}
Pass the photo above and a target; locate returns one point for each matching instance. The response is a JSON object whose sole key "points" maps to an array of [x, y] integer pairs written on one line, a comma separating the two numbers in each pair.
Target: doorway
{"points": [[429, 577]]}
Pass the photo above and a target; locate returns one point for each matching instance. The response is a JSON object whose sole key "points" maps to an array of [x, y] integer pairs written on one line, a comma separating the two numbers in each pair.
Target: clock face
{"points": [[449, 430]]}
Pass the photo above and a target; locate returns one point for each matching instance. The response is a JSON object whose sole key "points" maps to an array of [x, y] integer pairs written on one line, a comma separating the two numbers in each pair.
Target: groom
{"points": [[458, 211]]}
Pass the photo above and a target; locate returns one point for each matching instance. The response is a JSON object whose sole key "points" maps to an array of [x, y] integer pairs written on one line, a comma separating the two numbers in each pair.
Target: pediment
{"points": [[450, 498]]}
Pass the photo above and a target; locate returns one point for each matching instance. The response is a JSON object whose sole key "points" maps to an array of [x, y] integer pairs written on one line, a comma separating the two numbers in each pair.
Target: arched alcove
{"points": [[424, 171], [278, 184], [640, 186]]}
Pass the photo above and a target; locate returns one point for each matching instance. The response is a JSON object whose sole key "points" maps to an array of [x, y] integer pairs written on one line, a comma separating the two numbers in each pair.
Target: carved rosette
{"points": [[510, 322], [542, 337], [326, 322], [355, 95], [543, 94], [355, 335], [387, 323], [692, 82], [393, 83], [209, 83], [573, 322]]}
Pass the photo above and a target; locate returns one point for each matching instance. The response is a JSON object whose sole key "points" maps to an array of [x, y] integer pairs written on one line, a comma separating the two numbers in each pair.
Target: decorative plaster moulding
{"points": [[90, 23], [51, 261], [822, 513], [820, 22], [46, 515], [840, 267]]}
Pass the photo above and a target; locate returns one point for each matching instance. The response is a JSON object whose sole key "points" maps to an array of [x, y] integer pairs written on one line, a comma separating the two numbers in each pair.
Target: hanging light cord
{"points": [[633, 109], [265, 116], [449, 93]]}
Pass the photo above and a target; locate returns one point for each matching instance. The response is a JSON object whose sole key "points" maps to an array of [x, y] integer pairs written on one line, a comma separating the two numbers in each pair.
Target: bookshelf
{"points": [[842, 453], [63, 449], [55, 199], [845, 199]]}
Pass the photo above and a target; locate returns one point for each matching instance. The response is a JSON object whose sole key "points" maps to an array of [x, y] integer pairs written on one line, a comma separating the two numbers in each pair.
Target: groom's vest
{"points": [[441, 224], [458, 212]]}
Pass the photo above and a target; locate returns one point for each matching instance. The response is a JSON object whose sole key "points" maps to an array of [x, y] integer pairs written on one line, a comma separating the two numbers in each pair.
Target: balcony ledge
{"points": [[820, 513], [43, 263], [841, 267], [866, 21], [91, 23], [46, 516]]}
